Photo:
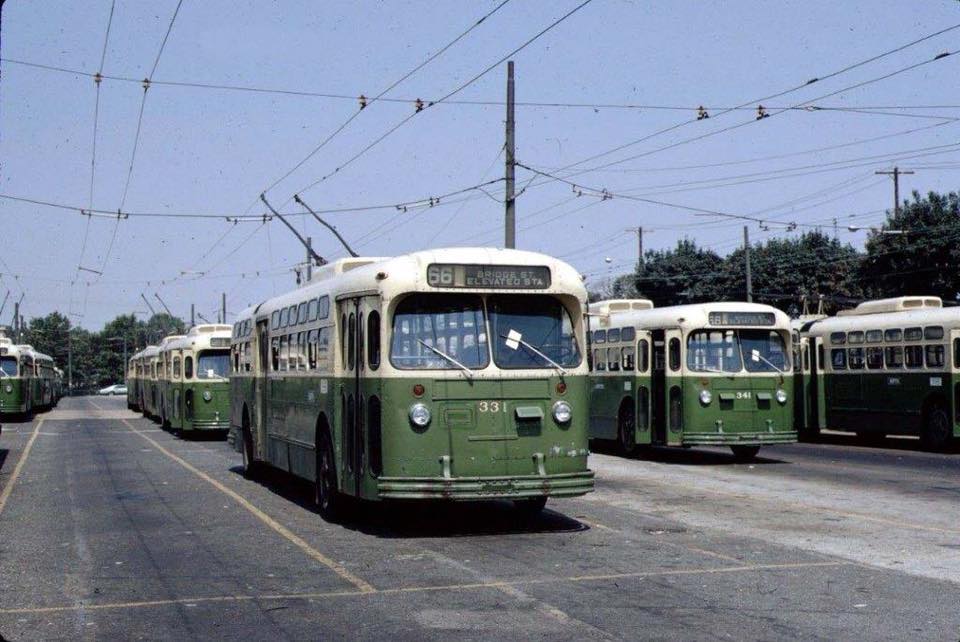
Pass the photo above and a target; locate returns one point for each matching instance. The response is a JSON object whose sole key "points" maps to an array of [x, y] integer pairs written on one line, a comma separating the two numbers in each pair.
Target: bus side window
{"points": [[838, 357], [643, 364], [598, 359], [674, 354], [351, 341], [956, 353], [894, 356], [373, 339], [913, 356], [302, 351], [343, 340], [627, 358], [855, 358], [284, 353], [176, 367], [806, 358], [613, 359], [935, 354], [312, 350], [188, 367], [874, 358]]}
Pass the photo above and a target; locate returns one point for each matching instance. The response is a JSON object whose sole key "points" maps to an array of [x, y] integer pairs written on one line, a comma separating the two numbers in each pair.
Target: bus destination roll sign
{"points": [[742, 318], [507, 277]]}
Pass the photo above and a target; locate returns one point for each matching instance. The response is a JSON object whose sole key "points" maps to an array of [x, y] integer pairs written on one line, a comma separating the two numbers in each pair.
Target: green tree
{"points": [[687, 274], [921, 260]]}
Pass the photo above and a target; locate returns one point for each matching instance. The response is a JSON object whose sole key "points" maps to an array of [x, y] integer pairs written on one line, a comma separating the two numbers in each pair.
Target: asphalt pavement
{"points": [[111, 528]]}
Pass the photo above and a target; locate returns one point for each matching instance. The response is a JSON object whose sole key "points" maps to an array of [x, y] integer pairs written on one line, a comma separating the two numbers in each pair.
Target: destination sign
{"points": [[742, 318], [504, 277], [219, 342]]}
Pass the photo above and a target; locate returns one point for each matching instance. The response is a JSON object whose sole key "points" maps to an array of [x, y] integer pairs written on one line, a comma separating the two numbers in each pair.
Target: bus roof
{"points": [[897, 304], [947, 317], [391, 277], [200, 336], [694, 316], [610, 306]]}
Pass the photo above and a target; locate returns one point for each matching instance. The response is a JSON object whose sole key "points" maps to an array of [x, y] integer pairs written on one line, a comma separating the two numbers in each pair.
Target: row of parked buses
{"points": [[29, 380], [472, 374], [183, 383]]}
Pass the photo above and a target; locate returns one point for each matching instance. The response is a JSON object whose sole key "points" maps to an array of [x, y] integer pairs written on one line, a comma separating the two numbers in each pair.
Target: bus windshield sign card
{"points": [[742, 318], [507, 277]]}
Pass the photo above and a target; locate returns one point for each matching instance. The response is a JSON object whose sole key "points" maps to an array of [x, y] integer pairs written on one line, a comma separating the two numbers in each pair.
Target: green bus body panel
{"points": [[187, 410], [743, 410], [887, 402], [18, 399], [475, 446]]}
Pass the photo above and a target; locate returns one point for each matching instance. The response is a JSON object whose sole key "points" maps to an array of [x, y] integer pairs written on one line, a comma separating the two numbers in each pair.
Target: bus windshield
{"points": [[731, 350], [532, 331], [438, 332], [8, 366], [213, 364]]}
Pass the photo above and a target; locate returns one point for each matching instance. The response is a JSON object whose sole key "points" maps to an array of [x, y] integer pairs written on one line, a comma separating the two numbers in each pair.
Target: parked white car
{"points": [[115, 389]]}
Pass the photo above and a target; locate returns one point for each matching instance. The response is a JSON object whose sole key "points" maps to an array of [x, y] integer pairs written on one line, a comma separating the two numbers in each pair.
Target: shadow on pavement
{"points": [[3, 457], [878, 442], [683, 456], [402, 519]]}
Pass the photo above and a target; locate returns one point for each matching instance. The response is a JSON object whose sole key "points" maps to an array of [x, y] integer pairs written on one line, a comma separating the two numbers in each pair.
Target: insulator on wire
{"points": [[97, 77], [363, 101], [762, 113], [418, 104], [702, 113], [146, 84]]}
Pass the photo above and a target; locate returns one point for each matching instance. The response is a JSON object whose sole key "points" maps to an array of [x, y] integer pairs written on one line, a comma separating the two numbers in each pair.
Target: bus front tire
{"points": [[326, 496], [530, 508], [626, 430], [937, 430], [745, 453]]}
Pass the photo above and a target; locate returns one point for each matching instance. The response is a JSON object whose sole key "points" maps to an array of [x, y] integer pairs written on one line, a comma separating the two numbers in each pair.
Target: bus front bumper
{"points": [[219, 424], [739, 438], [482, 488]]}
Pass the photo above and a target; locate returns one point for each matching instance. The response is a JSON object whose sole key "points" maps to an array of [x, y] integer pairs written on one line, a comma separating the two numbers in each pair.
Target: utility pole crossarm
{"points": [[896, 173], [297, 199], [316, 257]]}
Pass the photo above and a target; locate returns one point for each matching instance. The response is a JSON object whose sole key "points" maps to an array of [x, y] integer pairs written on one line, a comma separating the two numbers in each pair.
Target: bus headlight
{"points": [[705, 397], [207, 396], [419, 415], [782, 396], [8, 388], [562, 413]]}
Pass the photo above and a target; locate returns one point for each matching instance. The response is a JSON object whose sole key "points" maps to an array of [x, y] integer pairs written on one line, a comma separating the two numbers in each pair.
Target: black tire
{"points": [[530, 508], [627, 430], [251, 467], [328, 499], [937, 431], [745, 453]]}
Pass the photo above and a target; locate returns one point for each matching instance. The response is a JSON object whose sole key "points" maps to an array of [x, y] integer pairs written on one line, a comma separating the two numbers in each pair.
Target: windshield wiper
{"points": [[535, 351], [465, 369]]}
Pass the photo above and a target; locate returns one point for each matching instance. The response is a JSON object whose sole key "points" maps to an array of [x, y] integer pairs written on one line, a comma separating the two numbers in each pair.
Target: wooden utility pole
{"points": [[746, 251], [896, 173], [510, 217]]}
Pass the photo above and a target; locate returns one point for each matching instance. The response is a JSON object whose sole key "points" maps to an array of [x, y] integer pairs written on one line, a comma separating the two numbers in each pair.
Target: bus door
{"points": [[642, 386], [673, 388], [817, 391], [801, 381], [359, 391], [258, 415], [953, 357], [658, 387]]}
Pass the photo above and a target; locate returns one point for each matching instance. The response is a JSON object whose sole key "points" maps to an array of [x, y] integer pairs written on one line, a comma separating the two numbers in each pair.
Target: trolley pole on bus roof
{"points": [[193, 315], [309, 243], [313, 255], [746, 252], [144, 297], [309, 262], [16, 322], [223, 306], [510, 216], [896, 173]]}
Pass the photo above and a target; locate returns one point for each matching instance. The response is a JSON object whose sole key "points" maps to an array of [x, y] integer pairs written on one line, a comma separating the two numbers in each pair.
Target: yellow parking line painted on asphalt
{"points": [[5, 495], [360, 584], [499, 585]]}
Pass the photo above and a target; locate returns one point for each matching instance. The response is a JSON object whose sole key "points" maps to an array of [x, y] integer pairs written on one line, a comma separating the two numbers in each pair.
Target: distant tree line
{"points": [[916, 251], [96, 357]]}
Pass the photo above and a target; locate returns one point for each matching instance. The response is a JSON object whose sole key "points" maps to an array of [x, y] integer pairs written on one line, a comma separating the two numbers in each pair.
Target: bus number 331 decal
{"points": [[491, 406]]}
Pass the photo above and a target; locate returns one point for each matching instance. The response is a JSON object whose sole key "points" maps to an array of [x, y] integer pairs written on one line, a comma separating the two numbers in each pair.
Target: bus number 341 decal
{"points": [[745, 395], [491, 406]]}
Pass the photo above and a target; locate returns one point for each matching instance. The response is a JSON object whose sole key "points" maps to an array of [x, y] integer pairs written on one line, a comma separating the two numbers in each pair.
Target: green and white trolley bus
{"points": [[452, 374], [712, 374], [133, 382], [194, 380], [148, 383], [16, 378], [890, 366]]}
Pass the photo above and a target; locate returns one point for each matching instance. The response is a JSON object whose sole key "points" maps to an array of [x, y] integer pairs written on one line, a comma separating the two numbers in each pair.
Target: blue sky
{"points": [[206, 150]]}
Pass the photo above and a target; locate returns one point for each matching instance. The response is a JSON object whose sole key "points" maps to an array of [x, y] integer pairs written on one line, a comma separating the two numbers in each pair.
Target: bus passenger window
{"points": [[598, 359], [627, 358], [176, 367], [913, 334], [896, 334], [935, 356], [613, 359], [893, 355], [644, 362], [874, 358], [188, 368], [628, 335], [373, 339], [351, 341], [284, 354], [838, 356], [855, 358], [343, 340], [600, 336], [312, 310], [302, 351], [874, 336], [613, 336], [913, 356], [302, 313], [360, 344], [674, 354], [838, 338], [956, 353], [284, 314], [312, 350], [933, 332]]}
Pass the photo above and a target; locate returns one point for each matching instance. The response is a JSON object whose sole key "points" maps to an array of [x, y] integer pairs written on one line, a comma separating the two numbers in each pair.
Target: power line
{"points": [[380, 96], [424, 106]]}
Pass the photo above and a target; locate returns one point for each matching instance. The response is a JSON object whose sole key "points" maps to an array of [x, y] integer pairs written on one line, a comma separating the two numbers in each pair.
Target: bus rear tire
{"points": [[251, 467], [530, 508], [937, 430], [328, 499], [626, 430], [745, 453]]}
